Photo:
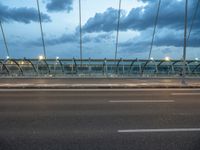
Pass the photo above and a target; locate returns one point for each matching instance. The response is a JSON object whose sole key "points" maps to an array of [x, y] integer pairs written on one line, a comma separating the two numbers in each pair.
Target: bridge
{"points": [[116, 67], [113, 103]]}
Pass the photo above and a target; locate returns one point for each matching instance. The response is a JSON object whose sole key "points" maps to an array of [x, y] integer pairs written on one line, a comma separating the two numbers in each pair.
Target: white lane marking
{"points": [[159, 130], [185, 94], [93, 90], [141, 101]]}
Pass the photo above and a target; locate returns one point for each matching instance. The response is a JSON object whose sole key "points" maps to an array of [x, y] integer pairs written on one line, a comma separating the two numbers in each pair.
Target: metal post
{"points": [[185, 43], [89, 67], [80, 24], [118, 25], [123, 69]]}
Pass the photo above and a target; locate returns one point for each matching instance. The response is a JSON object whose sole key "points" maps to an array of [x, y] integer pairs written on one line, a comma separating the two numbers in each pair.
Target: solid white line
{"points": [[141, 101], [93, 90], [160, 130], [184, 94]]}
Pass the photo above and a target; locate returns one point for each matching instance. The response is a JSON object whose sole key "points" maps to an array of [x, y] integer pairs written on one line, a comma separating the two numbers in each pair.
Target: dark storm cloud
{"points": [[23, 14], [132, 46], [177, 42], [171, 16], [102, 21], [71, 38], [65, 38], [165, 38], [59, 5], [98, 38]]}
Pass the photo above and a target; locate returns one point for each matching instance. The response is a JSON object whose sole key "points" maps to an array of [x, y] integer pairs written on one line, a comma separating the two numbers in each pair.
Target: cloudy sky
{"points": [[99, 21]]}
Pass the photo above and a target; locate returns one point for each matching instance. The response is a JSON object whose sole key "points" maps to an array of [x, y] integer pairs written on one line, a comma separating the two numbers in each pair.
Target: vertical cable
{"points": [[193, 19], [41, 29], [4, 38], [185, 42], [154, 30], [118, 25], [80, 24]]}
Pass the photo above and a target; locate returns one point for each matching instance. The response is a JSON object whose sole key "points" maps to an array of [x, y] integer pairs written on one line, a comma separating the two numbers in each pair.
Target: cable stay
{"points": [[41, 29], [4, 39], [193, 20], [118, 25], [185, 42], [154, 31], [80, 30]]}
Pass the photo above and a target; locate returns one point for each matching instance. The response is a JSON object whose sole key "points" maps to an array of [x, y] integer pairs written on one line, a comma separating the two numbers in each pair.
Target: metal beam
{"points": [[196, 67], [163, 61], [145, 66], [15, 62], [47, 65], [133, 62], [33, 66], [60, 62], [21, 70], [117, 66], [75, 64], [4, 66]]}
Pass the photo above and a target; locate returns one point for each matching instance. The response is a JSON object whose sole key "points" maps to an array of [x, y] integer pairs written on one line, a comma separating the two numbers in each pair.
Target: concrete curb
{"points": [[95, 86]]}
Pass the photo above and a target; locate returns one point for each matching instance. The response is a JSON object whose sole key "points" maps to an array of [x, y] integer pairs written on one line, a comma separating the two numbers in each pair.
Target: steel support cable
{"points": [[41, 29], [118, 25], [154, 30], [4, 39], [193, 19], [80, 29], [185, 42]]}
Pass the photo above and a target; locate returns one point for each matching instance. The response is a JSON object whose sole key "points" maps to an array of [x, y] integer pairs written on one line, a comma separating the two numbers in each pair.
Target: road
{"points": [[120, 119]]}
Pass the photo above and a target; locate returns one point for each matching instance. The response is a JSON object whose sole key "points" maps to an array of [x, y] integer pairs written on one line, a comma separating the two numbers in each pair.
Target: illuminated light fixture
{"points": [[167, 58], [57, 58], [7, 57], [41, 57], [152, 58], [196, 59]]}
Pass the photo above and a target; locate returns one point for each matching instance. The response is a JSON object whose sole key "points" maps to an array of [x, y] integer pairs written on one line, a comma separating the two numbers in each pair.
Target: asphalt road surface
{"points": [[140, 119]]}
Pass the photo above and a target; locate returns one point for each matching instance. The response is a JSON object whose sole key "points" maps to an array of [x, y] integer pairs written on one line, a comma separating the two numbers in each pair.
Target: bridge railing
{"points": [[96, 67]]}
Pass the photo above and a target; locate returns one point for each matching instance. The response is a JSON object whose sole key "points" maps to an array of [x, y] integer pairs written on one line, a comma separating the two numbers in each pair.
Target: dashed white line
{"points": [[141, 101], [159, 130], [185, 94]]}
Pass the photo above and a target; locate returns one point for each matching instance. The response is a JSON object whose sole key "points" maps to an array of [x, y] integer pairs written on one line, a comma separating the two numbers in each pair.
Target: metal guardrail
{"points": [[97, 67]]}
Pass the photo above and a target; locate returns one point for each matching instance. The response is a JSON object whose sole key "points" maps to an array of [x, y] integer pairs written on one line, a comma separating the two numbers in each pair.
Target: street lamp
{"points": [[41, 57], [167, 58], [22, 63]]}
